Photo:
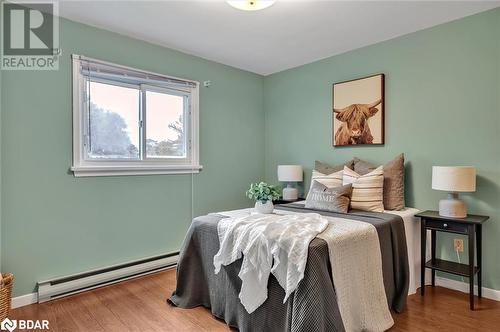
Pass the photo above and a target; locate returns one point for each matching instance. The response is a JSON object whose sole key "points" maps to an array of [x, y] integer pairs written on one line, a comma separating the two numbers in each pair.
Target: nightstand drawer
{"points": [[448, 226]]}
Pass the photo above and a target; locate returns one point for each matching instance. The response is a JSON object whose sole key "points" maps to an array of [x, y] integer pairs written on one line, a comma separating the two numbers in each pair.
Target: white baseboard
{"points": [[488, 293], [21, 301]]}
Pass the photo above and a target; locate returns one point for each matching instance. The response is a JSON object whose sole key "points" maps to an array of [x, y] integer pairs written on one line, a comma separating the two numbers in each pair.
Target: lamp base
{"points": [[452, 207], [290, 194]]}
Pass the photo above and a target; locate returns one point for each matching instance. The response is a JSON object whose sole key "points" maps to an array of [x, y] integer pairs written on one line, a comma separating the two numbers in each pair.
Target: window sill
{"points": [[88, 171]]}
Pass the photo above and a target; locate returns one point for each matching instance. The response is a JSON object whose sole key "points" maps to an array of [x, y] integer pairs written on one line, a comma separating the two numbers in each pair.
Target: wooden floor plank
{"points": [[179, 319], [65, 323], [82, 315], [139, 305], [99, 312], [443, 309], [126, 308]]}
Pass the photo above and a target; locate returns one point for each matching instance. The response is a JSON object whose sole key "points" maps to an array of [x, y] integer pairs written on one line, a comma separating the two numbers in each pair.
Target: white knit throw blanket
{"points": [[269, 243], [356, 264]]}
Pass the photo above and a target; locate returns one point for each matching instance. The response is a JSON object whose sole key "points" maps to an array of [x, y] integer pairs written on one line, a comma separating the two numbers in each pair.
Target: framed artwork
{"points": [[358, 111]]}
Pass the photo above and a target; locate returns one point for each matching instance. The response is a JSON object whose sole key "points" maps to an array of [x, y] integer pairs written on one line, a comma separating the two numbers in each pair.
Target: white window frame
{"points": [[84, 167]]}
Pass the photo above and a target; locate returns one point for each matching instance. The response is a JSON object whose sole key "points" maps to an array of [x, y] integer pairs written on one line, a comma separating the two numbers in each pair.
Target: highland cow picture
{"points": [[358, 111]]}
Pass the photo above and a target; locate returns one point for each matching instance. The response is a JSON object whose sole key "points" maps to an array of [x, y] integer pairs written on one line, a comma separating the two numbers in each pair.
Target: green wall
{"points": [[442, 108], [55, 224]]}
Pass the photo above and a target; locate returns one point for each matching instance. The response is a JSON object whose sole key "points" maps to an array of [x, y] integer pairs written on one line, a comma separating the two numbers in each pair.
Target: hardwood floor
{"points": [[139, 305], [444, 310]]}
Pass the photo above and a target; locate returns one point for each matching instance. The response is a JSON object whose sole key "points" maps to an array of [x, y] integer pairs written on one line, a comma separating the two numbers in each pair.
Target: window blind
{"points": [[93, 68]]}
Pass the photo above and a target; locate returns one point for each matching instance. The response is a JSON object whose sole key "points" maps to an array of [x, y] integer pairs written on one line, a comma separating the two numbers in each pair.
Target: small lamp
{"points": [[290, 173], [453, 179]]}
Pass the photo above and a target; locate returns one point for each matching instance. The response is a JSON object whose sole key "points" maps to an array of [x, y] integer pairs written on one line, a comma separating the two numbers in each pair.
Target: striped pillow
{"points": [[331, 180], [367, 190]]}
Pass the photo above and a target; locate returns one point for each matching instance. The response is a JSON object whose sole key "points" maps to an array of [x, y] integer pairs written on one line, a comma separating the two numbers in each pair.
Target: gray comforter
{"points": [[312, 307]]}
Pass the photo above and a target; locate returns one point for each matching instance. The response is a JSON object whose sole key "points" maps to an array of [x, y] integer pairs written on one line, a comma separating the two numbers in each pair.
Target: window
{"points": [[131, 122]]}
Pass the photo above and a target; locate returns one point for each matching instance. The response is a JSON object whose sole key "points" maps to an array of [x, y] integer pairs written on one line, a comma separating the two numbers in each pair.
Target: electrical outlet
{"points": [[458, 245]]}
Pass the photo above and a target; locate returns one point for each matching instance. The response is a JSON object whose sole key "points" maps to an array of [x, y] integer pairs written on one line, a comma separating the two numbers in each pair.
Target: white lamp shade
{"points": [[454, 178], [290, 173]]}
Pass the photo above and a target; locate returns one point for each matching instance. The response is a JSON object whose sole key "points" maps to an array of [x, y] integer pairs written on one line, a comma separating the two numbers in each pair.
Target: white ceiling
{"points": [[286, 35]]}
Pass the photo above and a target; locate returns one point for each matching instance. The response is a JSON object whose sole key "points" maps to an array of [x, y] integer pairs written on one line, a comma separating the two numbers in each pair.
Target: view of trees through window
{"points": [[108, 135], [114, 123], [164, 125], [168, 147]]}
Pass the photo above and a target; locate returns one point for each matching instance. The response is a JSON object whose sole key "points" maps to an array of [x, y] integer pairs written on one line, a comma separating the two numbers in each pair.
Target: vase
{"points": [[264, 208]]}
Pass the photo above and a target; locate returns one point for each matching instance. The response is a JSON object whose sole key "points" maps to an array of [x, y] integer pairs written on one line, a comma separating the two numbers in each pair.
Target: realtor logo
{"points": [[30, 36], [8, 324]]}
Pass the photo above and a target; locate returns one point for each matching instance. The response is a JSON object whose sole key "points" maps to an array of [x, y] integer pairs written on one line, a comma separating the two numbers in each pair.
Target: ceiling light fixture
{"points": [[251, 4]]}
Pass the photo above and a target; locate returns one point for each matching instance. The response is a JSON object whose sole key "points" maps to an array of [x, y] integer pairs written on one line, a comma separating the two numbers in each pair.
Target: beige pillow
{"points": [[321, 197], [367, 190], [394, 182], [331, 180], [329, 169]]}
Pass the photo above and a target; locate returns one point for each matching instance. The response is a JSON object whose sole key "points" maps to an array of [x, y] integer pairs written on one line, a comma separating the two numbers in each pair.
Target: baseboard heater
{"points": [[76, 283]]}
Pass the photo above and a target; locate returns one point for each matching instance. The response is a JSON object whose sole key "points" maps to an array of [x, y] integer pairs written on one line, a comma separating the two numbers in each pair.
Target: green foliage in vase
{"points": [[262, 192]]}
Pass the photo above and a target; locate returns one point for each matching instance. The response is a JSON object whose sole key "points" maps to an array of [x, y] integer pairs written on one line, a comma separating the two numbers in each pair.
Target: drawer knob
{"points": [[445, 225]]}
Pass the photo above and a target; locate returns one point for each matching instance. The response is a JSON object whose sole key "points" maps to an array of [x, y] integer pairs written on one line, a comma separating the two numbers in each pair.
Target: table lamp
{"points": [[290, 173], [453, 179]]}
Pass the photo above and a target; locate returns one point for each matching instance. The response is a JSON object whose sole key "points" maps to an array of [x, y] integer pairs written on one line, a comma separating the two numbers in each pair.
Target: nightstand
{"points": [[470, 226], [281, 201]]}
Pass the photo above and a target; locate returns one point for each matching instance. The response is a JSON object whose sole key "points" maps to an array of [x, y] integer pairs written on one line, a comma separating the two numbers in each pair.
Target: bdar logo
{"points": [[8, 324], [24, 324]]}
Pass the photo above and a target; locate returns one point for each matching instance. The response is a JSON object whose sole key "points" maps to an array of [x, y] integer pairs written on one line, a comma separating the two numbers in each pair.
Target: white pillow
{"points": [[367, 190], [331, 180]]}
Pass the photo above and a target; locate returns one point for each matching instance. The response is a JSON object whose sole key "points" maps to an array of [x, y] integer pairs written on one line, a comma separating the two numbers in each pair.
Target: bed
{"points": [[412, 231], [313, 305]]}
